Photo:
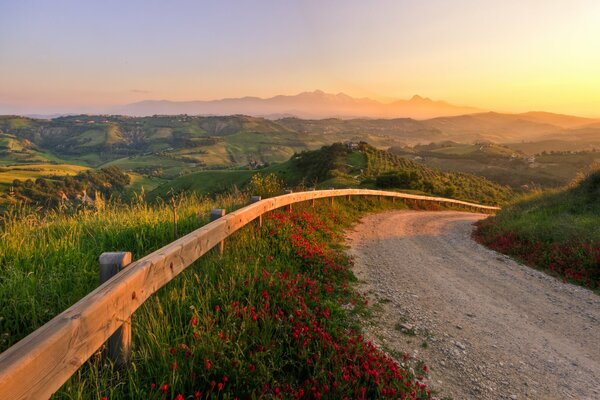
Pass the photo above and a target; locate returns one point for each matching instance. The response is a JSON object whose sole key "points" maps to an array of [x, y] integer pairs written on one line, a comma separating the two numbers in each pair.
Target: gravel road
{"points": [[487, 327]]}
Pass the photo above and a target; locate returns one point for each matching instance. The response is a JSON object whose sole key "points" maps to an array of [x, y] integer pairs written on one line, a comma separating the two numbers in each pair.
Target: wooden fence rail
{"points": [[38, 365]]}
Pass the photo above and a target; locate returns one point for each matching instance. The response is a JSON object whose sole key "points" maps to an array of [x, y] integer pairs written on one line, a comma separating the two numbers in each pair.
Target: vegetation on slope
{"points": [[339, 166], [557, 231], [503, 164], [67, 191], [271, 318], [162, 148]]}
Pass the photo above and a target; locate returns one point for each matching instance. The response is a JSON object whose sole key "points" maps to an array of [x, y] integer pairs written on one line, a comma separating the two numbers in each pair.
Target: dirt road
{"points": [[488, 327]]}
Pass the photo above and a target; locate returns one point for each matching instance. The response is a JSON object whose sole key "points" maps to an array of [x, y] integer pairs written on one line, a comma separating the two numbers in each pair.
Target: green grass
{"points": [[144, 183], [206, 182], [555, 230], [172, 167], [51, 261], [32, 171]]}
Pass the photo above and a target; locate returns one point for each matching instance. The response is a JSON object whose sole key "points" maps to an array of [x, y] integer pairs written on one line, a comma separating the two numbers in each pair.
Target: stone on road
{"points": [[488, 327]]}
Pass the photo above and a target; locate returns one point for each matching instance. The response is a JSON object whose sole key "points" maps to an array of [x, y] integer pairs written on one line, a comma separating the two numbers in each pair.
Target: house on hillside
{"points": [[351, 145]]}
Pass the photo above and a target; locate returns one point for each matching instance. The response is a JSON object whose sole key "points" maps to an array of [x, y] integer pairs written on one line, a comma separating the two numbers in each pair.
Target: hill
{"points": [[168, 147], [504, 164], [81, 189], [219, 141], [556, 231], [356, 165]]}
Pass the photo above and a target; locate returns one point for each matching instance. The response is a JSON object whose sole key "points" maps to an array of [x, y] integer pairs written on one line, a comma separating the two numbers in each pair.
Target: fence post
{"points": [[253, 200], [289, 206], [215, 214], [331, 198], [313, 200], [119, 344], [174, 206]]}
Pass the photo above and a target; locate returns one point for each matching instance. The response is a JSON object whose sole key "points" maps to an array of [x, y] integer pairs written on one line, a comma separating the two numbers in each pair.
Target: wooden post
{"points": [[289, 206], [174, 206], [215, 214], [255, 199], [119, 344], [313, 200]]}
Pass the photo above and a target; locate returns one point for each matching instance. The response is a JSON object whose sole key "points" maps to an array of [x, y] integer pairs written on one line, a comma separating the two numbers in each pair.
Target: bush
{"points": [[407, 179], [266, 185]]}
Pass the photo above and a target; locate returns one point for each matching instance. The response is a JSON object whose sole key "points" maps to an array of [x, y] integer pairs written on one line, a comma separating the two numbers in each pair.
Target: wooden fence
{"points": [[38, 365]]}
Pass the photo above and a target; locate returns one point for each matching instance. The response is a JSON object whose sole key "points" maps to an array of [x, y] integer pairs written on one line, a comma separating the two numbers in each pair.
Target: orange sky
{"points": [[506, 56]]}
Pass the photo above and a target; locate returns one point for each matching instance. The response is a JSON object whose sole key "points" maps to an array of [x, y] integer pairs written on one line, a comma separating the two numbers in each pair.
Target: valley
{"points": [[158, 150]]}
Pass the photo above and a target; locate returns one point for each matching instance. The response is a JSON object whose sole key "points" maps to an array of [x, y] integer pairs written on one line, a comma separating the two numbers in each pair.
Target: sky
{"points": [[507, 56]]}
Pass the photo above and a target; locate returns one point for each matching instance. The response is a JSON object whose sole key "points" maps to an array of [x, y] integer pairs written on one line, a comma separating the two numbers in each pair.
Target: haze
{"points": [[510, 56]]}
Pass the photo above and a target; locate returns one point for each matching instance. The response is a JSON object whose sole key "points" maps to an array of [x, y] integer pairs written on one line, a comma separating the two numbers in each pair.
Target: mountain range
{"points": [[316, 104]]}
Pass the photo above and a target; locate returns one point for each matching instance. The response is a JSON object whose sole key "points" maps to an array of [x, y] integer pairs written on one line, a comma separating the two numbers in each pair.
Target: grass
{"points": [[144, 183], [206, 182], [264, 319], [33, 171], [557, 231], [51, 261]]}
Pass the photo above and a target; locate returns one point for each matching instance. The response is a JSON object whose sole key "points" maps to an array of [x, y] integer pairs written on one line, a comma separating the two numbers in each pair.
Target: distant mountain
{"points": [[317, 104]]}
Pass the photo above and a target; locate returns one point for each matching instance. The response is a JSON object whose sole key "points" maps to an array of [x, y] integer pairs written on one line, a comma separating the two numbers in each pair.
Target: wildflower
{"points": [[164, 388]]}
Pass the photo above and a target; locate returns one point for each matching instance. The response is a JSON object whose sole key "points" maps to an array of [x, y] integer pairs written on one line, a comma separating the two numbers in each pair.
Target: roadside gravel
{"points": [[488, 327]]}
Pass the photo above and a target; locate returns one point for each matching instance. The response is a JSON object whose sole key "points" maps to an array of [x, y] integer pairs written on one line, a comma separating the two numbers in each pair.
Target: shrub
{"points": [[266, 185]]}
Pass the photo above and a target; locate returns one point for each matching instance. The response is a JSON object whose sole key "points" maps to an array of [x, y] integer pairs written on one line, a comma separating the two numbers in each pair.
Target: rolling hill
{"points": [[339, 166], [168, 147]]}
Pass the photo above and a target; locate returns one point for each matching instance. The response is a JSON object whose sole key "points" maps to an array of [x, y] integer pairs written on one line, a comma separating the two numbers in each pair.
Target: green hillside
{"points": [[557, 231], [171, 146], [504, 164], [341, 167]]}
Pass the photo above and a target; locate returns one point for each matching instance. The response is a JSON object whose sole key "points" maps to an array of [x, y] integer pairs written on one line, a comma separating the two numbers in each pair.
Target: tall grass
{"points": [[50, 261], [557, 231]]}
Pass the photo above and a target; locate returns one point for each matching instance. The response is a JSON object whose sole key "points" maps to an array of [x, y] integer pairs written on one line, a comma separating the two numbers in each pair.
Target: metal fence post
{"points": [[119, 344]]}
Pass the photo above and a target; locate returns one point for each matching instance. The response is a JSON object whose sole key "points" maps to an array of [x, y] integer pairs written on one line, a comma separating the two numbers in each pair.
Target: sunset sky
{"points": [[511, 56]]}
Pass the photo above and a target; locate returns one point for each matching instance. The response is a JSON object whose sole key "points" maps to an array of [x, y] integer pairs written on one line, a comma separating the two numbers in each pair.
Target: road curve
{"points": [[488, 327]]}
